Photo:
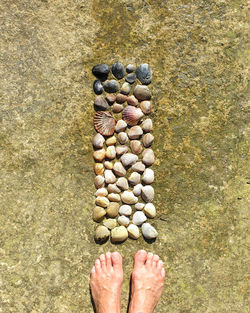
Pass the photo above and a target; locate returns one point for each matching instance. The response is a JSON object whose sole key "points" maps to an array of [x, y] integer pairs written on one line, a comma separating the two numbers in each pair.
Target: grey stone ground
{"points": [[198, 55]]}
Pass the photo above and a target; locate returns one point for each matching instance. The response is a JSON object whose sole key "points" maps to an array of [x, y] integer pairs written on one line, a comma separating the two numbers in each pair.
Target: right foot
{"points": [[147, 282]]}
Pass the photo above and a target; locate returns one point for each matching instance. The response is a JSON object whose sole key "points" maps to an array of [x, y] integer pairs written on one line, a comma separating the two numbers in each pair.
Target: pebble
{"points": [[99, 168], [139, 218], [109, 177], [118, 70], [148, 231], [128, 197], [139, 206], [112, 209], [122, 183], [133, 231], [125, 210], [98, 141], [114, 197], [120, 150], [112, 188], [144, 74], [120, 126], [136, 146], [147, 140], [142, 92], [120, 98], [119, 169], [100, 103], [101, 192], [117, 108], [128, 159], [146, 107], [97, 86], [148, 156], [130, 78], [147, 193], [150, 210], [130, 68], [111, 141], [99, 181], [134, 178], [131, 100], [108, 165], [110, 98], [123, 220], [135, 132], [98, 213], [99, 154], [102, 233], [147, 125], [138, 167], [137, 190], [119, 234], [148, 176], [110, 152], [122, 138], [110, 223], [125, 89], [101, 71], [111, 86], [102, 201]]}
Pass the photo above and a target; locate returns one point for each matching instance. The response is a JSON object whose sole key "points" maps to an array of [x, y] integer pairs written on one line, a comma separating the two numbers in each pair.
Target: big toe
{"points": [[140, 258], [116, 261]]}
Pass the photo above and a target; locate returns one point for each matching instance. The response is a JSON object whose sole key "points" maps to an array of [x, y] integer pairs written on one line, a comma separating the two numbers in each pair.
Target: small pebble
{"points": [[148, 156], [125, 210], [135, 132], [109, 177], [139, 218], [148, 231], [147, 193], [148, 176], [99, 168], [119, 169], [120, 126], [98, 213], [110, 152], [114, 197], [110, 223], [119, 234], [102, 233], [122, 183], [130, 78], [137, 190], [110, 98], [101, 192], [147, 140], [108, 165], [130, 68], [129, 159], [99, 181], [138, 167], [150, 210], [131, 100], [118, 70], [101, 71], [112, 209], [97, 86], [146, 107], [101, 103], [120, 150], [111, 141], [139, 206], [125, 89], [136, 146], [99, 155], [134, 178], [112, 86], [123, 220], [102, 201], [133, 231], [141, 92], [112, 188], [117, 108], [144, 74], [122, 138], [120, 98], [98, 141], [147, 125], [128, 197]]}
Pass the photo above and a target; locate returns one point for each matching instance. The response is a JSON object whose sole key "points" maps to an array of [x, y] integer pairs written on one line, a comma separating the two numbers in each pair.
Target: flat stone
{"points": [[97, 87], [119, 234], [141, 92], [101, 71], [111, 86], [144, 74], [118, 70], [148, 231]]}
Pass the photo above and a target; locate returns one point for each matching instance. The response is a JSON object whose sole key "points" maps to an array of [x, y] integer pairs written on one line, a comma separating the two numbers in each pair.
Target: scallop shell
{"points": [[104, 123], [131, 115]]}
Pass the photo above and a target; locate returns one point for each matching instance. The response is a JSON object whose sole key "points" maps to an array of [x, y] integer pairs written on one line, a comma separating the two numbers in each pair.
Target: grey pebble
{"points": [[130, 68], [97, 87], [118, 70], [111, 86], [144, 74], [130, 78], [101, 71]]}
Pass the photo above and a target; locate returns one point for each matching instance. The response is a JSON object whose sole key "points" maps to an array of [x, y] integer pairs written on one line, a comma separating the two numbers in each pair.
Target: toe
{"points": [[163, 274], [103, 261], [160, 265], [93, 272], [116, 261], [140, 258], [108, 261], [155, 260], [149, 259], [97, 266]]}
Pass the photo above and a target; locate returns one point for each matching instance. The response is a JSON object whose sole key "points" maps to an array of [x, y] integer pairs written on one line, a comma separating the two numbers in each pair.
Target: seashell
{"points": [[120, 98], [122, 183], [138, 167], [135, 132], [123, 220], [130, 68], [98, 168], [131, 100], [119, 234], [99, 181], [101, 104], [148, 231], [102, 201], [141, 92], [115, 197], [148, 156], [128, 197], [147, 125], [128, 159], [111, 86], [112, 209], [112, 188], [125, 210], [147, 193], [120, 150], [104, 123], [133, 231], [148, 176], [139, 218], [134, 178], [119, 169], [144, 74], [98, 141], [146, 107], [110, 152], [111, 141], [97, 86], [101, 71], [101, 192], [99, 155], [122, 137], [137, 190], [110, 223], [132, 115], [117, 108], [110, 98], [108, 165], [136, 146], [150, 210], [139, 206], [118, 70], [109, 177], [125, 89], [147, 140], [121, 125], [101, 233], [98, 213]]}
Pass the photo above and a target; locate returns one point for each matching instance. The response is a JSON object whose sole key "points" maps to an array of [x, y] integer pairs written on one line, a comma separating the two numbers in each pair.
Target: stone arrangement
{"points": [[122, 153]]}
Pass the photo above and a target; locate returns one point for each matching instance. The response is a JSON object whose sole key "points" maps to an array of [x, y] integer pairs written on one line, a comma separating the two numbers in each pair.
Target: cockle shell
{"points": [[104, 123], [132, 115]]}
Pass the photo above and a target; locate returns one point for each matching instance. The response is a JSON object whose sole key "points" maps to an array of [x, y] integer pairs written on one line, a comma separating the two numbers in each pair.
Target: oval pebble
{"points": [[138, 167], [111, 86], [102, 201], [101, 192], [97, 87], [121, 125], [102, 233], [98, 141], [148, 231], [150, 210], [125, 209], [147, 125], [98, 213], [125, 89], [110, 223], [123, 220], [147, 140], [99, 181], [114, 197], [133, 231], [119, 169], [147, 193], [141, 92], [112, 188], [117, 108], [118, 70], [139, 218], [130, 78], [131, 100], [101, 71], [109, 177], [129, 159], [101, 103], [120, 150], [135, 132], [148, 156], [148, 176], [122, 138], [130, 68], [139, 206], [119, 234], [144, 74], [112, 209], [128, 197], [137, 190], [134, 178]]}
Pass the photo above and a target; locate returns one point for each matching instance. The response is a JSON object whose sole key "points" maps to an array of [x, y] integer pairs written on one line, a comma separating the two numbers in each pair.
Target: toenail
{"points": [[150, 254], [102, 256], [108, 254], [115, 255], [142, 251]]}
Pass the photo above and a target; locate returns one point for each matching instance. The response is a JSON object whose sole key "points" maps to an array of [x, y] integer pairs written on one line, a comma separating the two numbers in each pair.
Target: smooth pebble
{"points": [[141, 92], [102, 233], [125, 209], [130, 68], [123, 220], [131, 100], [125, 89], [122, 138], [146, 107], [133, 231], [111, 86], [112, 209], [118, 70], [110, 152], [150, 210], [112, 188], [98, 168], [98, 213], [117, 108], [148, 231], [139, 206], [147, 193], [119, 169], [139, 218], [97, 86], [98, 141], [101, 71], [128, 197], [147, 140], [122, 183], [99, 181], [111, 141], [144, 74], [148, 156], [137, 190], [120, 150], [114, 197], [135, 132], [110, 223], [101, 192], [102, 201], [99, 154], [134, 178], [147, 125], [119, 234], [120, 126], [129, 159], [130, 78], [148, 176], [109, 177], [138, 167], [136, 146]]}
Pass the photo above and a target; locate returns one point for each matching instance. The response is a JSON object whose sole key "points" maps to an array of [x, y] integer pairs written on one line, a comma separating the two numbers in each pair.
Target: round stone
{"points": [[147, 193], [133, 231], [108, 165], [134, 178], [112, 209], [137, 190], [120, 98], [148, 176], [147, 125], [141, 92], [130, 68], [102, 233], [119, 169], [120, 126], [125, 210], [110, 98], [128, 159], [139, 206], [122, 183], [123, 220], [130, 78], [148, 231], [99, 181], [102, 201], [98, 213], [118, 70], [139, 218], [119, 234], [128, 197], [120, 150], [97, 87], [136, 146], [112, 86], [125, 89], [122, 138], [101, 71], [150, 210], [144, 74], [110, 223], [98, 141], [138, 167], [148, 156], [135, 132]]}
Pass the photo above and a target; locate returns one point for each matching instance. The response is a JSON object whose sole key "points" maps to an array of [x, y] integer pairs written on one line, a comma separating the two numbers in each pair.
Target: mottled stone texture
{"points": [[197, 54]]}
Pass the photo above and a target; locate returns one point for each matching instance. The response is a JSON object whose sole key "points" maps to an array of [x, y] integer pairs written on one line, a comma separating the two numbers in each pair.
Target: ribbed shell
{"points": [[104, 123], [132, 115]]}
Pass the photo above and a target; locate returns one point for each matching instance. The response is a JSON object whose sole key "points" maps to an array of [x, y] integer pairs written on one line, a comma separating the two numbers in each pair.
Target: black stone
{"points": [[101, 71], [144, 74], [111, 86], [97, 86], [130, 68], [130, 78], [118, 70]]}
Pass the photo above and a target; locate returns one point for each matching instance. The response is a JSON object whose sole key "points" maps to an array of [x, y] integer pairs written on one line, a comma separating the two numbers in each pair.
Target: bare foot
{"points": [[106, 283], [147, 282]]}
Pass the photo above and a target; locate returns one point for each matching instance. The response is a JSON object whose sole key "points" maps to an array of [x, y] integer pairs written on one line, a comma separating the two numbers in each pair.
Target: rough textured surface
{"points": [[196, 51]]}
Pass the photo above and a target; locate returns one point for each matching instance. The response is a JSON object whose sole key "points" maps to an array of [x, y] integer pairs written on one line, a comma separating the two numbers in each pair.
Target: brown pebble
{"points": [[120, 98]]}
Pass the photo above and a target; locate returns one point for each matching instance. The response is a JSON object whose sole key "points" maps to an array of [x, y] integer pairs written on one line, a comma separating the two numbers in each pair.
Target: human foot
{"points": [[147, 282], [106, 283]]}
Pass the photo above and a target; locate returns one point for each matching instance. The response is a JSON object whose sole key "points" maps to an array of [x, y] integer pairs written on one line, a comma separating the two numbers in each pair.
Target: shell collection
{"points": [[123, 153]]}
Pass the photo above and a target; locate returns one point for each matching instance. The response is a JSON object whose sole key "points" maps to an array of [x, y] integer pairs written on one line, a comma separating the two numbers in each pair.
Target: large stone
{"points": [[119, 234]]}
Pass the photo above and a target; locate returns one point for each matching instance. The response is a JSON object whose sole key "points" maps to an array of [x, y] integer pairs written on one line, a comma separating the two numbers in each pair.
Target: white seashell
{"points": [[148, 231], [108, 165], [99, 181], [119, 169], [148, 176], [146, 107], [112, 188], [120, 126], [123, 220], [134, 178], [132, 115], [137, 190], [125, 89], [147, 125], [138, 167], [122, 137], [114, 197], [111, 141], [109, 177], [135, 132], [147, 193], [102, 201], [128, 197], [120, 150], [139, 206], [133, 231], [98, 141], [147, 140], [125, 210], [139, 218], [148, 156], [128, 159], [117, 108], [101, 192], [104, 123], [110, 152], [122, 183], [150, 210], [136, 146]]}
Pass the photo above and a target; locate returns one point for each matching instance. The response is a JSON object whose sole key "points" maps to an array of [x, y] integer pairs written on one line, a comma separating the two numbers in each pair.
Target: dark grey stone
{"points": [[97, 86], [144, 74], [118, 70], [111, 86], [130, 78], [130, 68], [101, 71]]}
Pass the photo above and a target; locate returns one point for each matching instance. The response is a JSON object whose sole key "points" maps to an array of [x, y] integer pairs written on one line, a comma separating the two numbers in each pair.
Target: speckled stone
{"points": [[111, 86], [102, 233]]}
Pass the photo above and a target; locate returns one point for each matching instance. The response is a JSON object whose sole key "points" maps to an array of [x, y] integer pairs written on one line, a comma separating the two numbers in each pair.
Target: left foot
{"points": [[106, 283]]}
